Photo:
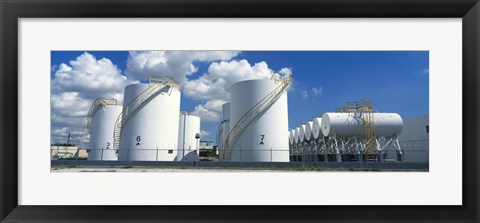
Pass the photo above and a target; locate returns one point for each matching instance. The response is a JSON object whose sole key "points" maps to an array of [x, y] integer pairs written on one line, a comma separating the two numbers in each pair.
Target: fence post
{"points": [[128, 153], [101, 156], [271, 155]]}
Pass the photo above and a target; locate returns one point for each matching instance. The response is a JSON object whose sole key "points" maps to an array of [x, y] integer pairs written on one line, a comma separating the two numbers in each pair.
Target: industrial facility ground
{"points": [[152, 166]]}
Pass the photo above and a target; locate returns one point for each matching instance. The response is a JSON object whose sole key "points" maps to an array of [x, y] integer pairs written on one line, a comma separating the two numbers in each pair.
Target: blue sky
{"points": [[396, 81]]}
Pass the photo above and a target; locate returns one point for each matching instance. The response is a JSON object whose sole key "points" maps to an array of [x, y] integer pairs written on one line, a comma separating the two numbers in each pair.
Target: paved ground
{"points": [[169, 169], [156, 170]]}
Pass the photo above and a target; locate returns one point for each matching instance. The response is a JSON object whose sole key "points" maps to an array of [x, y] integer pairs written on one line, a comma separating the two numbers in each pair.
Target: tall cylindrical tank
{"points": [[345, 124], [152, 132], [220, 134], [101, 133], [301, 135], [308, 130], [226, 130], [265, 139], [296, 135], [188, 145], [226, 121], [317, 128], [226, 111]]}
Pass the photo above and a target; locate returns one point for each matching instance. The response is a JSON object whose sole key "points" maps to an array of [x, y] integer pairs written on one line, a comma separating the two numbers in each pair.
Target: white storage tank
{"points": [[296, 135], [188, 145], [226, 130], [290, 137], [101, 131], [266, 138], [308, 130], [226, 121], [152, 132], [317, 128], [226, 111], [226, 126], [345, 124], [301, 135], [220, 134]]}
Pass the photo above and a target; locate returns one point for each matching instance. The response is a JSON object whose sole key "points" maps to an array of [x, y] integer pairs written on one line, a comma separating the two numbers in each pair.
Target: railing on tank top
{"points": [[96, 105]]}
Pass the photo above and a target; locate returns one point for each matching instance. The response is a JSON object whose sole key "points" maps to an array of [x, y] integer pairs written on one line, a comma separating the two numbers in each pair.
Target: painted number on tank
{"points": [[138, 140], [261, 140]]}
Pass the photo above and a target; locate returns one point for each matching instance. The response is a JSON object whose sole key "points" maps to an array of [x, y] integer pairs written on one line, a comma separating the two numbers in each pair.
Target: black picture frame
{"points": [[12, 10]]}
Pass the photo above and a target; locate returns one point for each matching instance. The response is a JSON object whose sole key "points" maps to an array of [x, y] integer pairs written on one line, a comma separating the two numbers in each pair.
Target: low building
{"points": [[208, 151], [207, 145], [67, 151]]}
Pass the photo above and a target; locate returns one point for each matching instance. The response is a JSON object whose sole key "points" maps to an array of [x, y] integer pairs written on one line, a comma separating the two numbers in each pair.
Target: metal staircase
{"points": [[96, 105], [155, 86], [250, 115], [365, 107], [363, 110]]}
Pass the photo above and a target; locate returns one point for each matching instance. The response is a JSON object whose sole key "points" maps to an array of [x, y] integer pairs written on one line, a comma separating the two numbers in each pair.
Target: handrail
{"points": [[155, 85], [272, 97], [94, 108]]}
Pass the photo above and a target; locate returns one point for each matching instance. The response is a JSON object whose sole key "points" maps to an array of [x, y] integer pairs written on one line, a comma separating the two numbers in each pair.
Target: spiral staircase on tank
{"points": [[96, 105], [155, 86], [250, 115]]}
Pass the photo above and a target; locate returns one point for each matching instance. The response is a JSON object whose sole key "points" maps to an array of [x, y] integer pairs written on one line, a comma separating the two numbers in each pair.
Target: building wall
{"points": [[414, 139]]}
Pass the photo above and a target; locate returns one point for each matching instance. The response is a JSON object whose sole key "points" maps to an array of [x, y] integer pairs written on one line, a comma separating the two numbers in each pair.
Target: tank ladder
{"points": [[155, 86], [96, 105], [250, 115], [371, 152]]}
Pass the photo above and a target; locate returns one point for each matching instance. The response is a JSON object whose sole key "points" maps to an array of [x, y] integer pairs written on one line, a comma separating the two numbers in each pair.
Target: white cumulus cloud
{"points": [[304, 94], [214, 86], [204, 133], [425, 71], [205, 114], [317, 90], [74, 87], [91, 77], [176, 64]]}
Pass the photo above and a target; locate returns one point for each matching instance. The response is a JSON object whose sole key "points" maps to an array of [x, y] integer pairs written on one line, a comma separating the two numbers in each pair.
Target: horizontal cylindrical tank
{"points": [[301, 136], [226, 111], [345, 124], [296, 135], [308, 131], [101, 132], [188, 145], [151, 133], [265, 139], [290, 137], [317, 128]]}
